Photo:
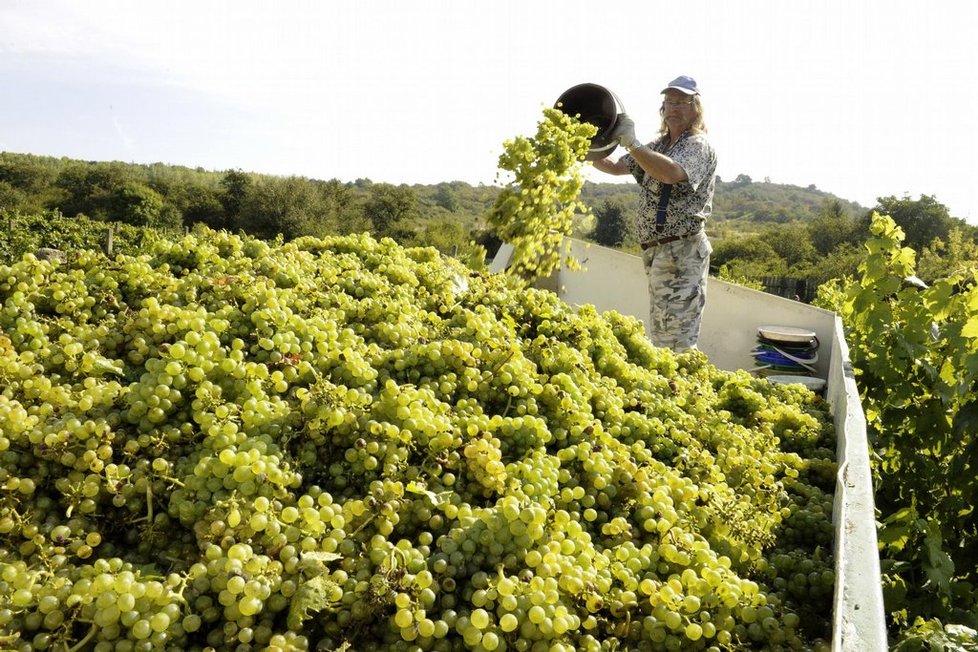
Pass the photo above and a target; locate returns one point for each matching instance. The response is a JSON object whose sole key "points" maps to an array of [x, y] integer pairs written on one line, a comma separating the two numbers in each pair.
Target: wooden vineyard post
{"points": [[108, 241]]}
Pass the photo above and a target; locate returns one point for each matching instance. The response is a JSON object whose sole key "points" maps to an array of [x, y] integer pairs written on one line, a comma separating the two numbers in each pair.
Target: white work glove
{"points": [[624, 131]]}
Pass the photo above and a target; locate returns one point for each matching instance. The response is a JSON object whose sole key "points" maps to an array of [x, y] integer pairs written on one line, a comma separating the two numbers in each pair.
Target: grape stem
{"points": [[149, 504], [171, 480], [395, 554], [364, 524], [499, 364], [82, 643]]}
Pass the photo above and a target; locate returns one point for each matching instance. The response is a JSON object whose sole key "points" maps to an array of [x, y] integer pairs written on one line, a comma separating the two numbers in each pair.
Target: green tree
{"points": [[388, 204], [446, 198], [291, 206], [750, 257], [792, 244], [833, 227], [277, 206], [949, 257], [198, 204], [136, 204], [445, 234], [28, 174], [351, 217], [921, 220], [611, 225], [88, 188], [840, 263], [235, 187], [13, 199]]}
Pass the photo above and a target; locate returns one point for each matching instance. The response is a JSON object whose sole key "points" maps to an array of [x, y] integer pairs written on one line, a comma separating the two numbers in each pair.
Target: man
{"points": [[676, 174]]}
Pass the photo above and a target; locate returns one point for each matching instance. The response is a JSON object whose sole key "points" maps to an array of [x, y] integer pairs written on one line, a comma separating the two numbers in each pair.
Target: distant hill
{"points": [[177, 195], [740, 206], [741, 203]]}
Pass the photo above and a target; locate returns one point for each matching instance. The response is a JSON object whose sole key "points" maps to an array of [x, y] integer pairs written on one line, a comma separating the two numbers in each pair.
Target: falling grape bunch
{"points": [[538, 206], [343, 444]]}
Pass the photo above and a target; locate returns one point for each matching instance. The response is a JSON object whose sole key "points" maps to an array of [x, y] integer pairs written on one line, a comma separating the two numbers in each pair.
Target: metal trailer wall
{"points": [[613, 280]]}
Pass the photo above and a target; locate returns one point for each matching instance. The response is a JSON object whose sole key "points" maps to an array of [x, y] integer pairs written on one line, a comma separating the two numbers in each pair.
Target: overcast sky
{"points": [[862, 98]]}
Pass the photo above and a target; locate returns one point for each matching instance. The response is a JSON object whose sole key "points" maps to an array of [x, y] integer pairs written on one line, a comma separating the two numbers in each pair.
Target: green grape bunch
{"points": [[345, 444], [539, 205]]}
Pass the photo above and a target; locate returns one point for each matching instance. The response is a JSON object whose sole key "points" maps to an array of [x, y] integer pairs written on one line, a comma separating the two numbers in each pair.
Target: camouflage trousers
{"points": [[677, 273]]}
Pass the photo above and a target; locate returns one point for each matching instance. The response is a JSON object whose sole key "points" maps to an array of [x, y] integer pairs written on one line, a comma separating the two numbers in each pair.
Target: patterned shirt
{"points": [[690, 202]]}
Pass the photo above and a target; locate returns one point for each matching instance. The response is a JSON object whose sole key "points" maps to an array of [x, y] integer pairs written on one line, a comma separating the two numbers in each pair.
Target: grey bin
{"points": [[613, 280]]}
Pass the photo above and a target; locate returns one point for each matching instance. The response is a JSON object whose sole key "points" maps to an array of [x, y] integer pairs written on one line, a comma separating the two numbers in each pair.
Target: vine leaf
{"points": [[895, 531], [937, 563], [970, 328], [317, 593], [964, 426], [312, 596]]}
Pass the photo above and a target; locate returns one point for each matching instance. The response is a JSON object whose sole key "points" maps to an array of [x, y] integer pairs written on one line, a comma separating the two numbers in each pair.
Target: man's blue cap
{"points": [[683, 83]]}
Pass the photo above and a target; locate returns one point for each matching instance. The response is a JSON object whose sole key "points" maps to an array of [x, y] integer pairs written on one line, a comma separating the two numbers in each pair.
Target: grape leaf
{"points": [[970, 328], [436, 499], [964, 425], [321, 557], [895, 531], [103, 366], [312, 596], [894, 536], [937, 563]]}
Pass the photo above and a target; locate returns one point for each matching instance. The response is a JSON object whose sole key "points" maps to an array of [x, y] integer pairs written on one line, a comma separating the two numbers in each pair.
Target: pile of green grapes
{"points": [[343, 444]]}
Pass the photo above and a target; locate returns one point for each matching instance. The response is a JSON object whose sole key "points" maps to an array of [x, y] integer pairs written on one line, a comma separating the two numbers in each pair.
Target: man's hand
{"points": [[624, 131]]}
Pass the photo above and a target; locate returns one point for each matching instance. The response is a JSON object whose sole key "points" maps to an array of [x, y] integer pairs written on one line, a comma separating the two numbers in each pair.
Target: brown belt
{"points": [[665, 240]]}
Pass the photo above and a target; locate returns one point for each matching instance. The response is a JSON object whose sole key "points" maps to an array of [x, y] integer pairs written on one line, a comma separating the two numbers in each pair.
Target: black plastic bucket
{"points": [[595, 105]]}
